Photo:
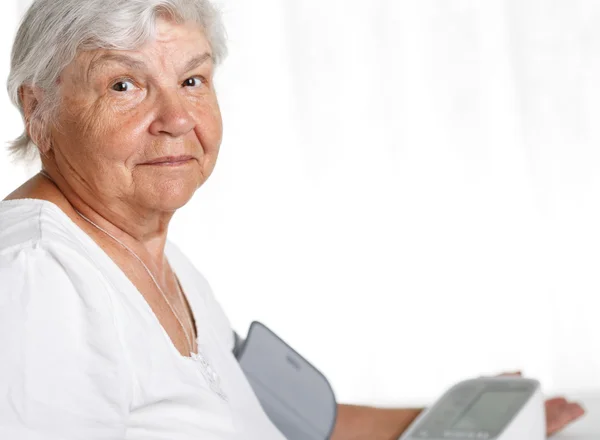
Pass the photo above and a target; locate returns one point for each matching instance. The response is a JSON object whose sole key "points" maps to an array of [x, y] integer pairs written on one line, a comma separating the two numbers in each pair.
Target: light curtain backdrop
{"points": [[408, 191]]}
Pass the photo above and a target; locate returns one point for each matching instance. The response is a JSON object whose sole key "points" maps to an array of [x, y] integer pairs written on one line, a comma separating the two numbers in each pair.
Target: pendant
{"points": [[209, 373]]}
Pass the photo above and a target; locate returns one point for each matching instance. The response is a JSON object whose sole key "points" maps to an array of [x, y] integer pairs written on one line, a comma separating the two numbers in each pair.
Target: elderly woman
{"points": [[107, 331]]}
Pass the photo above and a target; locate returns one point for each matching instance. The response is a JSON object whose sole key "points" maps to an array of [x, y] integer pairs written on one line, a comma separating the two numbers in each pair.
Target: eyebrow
{"points": [[118, 58], [197, 61], [134, 64]]}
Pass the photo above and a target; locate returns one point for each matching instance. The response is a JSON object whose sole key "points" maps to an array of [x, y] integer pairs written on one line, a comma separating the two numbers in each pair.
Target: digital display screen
{"points": [[491, 411]]}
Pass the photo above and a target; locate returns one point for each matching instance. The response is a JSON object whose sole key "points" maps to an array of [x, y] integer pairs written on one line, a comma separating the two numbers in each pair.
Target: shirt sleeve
{"points": [[62, 368]]}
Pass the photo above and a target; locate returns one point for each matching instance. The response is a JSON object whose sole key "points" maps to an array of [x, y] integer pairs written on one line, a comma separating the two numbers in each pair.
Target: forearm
{"points": [[366, 423]]}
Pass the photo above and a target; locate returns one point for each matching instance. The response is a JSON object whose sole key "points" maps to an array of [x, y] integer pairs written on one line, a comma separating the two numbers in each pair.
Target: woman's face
{"points": [[140, 127]]}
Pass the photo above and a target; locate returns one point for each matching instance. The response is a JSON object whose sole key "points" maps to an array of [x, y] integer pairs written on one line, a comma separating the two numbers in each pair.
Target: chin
{"points": [[172, 204], [173, 196]]}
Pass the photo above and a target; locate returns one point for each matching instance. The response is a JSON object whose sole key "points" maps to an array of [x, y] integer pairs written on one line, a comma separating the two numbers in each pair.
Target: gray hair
{"points": [[53, 31]]}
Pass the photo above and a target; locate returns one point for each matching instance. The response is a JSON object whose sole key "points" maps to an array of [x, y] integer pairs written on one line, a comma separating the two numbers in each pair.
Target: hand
{"points": [[559, 411]]}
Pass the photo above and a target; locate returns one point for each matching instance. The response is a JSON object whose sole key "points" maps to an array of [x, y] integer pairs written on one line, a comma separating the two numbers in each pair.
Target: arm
{"points": [[366, 423]]}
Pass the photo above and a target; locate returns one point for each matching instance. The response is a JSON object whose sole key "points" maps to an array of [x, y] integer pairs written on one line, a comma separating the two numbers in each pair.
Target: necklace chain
{"points": [[128, 249]]}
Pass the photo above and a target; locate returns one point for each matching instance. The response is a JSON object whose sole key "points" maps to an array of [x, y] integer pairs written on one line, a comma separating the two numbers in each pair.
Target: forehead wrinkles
{"points": [[167, 50], [168, 56], [174, 41]]}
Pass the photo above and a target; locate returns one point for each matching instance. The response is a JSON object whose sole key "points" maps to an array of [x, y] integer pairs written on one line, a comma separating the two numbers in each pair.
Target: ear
{"points": [[31, 97]]}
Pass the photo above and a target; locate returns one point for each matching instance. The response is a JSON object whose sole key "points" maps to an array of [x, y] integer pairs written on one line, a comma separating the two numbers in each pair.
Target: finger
{"points": [[512, 374], [556, 402], [554, 409], [560, 416], [575, 410]]}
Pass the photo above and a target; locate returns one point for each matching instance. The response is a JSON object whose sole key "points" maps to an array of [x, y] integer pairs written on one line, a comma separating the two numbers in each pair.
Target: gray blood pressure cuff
{"points": [[295, 395]]}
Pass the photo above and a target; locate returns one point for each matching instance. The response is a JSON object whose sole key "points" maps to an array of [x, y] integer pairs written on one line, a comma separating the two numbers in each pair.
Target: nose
{"points": [[173, 117]]}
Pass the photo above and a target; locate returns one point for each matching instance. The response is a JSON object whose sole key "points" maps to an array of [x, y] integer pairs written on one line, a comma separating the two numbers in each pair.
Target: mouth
{"points": [[170, 161]]}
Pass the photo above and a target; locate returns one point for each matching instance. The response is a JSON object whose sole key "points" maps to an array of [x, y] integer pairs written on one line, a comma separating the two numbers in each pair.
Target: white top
{"points": [[83, 356]]}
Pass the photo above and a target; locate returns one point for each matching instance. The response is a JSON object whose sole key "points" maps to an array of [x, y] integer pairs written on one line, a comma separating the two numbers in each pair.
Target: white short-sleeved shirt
{"points": [[83, 357]]}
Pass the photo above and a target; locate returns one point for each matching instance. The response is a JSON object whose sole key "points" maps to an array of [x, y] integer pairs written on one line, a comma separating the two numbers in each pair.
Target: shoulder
{"points": [[46, 277], [39, 252], [28, 222], [51, 277]]}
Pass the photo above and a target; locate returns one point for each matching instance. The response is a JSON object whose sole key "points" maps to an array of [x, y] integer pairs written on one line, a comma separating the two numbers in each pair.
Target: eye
{"points": [[122, 86], [194, 81]]}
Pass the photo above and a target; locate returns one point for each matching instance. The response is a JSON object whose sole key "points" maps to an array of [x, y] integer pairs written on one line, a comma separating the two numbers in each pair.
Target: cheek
{"points": [[210, 129], [116, 135], [77, 133]]}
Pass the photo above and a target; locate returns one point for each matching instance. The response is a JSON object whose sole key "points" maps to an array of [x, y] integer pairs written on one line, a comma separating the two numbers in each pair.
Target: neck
{"points": [[142, 230]]}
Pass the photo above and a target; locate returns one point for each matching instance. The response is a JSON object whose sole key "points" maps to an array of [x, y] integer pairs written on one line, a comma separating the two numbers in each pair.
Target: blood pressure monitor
{"points": [[500, 408], [294, 394]]}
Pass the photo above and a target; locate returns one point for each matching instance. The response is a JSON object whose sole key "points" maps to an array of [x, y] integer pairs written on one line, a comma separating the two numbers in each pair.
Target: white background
{"points": [[408, 190]]}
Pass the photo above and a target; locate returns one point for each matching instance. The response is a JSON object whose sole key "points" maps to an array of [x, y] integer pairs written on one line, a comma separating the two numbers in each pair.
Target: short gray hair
{"points": [[53, 31]]}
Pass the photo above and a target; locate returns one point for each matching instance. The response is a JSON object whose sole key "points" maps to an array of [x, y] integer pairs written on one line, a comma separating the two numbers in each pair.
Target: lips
{"points": [[169, 160]]}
